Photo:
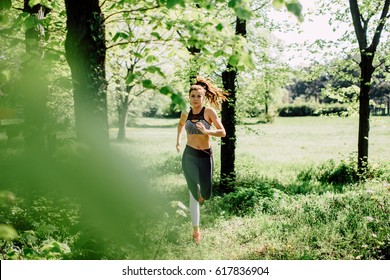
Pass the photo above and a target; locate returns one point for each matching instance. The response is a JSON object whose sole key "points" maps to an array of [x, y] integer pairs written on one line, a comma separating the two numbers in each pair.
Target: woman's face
{"points": [[196, 97]]}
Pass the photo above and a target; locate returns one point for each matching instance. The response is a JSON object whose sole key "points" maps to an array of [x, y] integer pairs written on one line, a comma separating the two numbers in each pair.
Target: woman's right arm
{"points": [[180, 127]]}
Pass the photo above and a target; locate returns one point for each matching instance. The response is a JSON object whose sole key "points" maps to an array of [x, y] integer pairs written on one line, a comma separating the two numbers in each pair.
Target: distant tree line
{"points": [[322, 89]]}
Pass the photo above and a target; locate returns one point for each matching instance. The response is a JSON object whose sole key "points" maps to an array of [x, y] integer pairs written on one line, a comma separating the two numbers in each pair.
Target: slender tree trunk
{"points": [[34, 85], [85, 52], [228, 147], [367, 54], [266, 101], [123, 109], [367, 70]]}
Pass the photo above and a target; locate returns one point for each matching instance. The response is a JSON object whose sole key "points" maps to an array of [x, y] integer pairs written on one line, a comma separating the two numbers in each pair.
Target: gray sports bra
{"points": [[192, 119]]}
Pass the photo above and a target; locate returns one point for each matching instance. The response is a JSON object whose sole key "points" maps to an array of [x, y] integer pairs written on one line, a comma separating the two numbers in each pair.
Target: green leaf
{"points": [[130, 78], [7, 232], [120, 35], [232, 3], [151, 58], [32, 3], [278, 4], [296, 8], [148, 84], [245, 62], [154, 69], [293, 6], [241, 8], [243, 12], [156, 34], [219, 53], [177, 99], [173, 3], [166, 90], [138, 55], [219, 27], [29, 252], [233, 59]]}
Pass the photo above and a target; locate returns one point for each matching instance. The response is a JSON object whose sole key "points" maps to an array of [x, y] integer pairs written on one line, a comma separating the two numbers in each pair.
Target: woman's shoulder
{"points": [[209, 110], [184, 113]]}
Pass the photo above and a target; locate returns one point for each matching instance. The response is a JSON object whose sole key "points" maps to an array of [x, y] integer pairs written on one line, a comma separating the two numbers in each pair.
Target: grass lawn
{"points": [[280, 149]]}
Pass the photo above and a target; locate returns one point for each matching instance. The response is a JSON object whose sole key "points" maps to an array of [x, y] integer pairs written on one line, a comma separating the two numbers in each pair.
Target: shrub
{"points": [[249, 194], [297, 110], [332, 177], [312, 109], [333, 109]]}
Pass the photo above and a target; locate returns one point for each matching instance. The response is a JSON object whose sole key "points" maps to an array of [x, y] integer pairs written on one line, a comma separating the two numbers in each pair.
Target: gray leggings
{"points": [[198, 170]]}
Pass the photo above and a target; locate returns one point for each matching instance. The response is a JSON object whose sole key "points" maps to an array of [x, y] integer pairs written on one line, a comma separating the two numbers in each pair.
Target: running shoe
{"points": [[196, 236]]}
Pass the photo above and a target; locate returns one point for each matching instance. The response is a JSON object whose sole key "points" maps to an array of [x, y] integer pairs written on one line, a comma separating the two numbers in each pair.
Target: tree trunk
{"points": [[367, 70], [228, 147], [123, 109], [367, 54], [266, 100], [85, 52], [34, 85]]}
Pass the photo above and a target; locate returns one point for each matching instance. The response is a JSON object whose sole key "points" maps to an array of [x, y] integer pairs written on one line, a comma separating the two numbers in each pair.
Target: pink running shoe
{"points": [[196, 236]]}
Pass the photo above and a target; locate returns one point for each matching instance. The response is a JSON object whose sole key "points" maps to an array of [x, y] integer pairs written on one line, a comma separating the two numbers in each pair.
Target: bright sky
{"points": [[310, 30]]}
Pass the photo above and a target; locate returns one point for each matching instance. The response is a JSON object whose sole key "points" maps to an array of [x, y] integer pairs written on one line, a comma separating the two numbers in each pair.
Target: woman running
{"points": [[197, 161]]}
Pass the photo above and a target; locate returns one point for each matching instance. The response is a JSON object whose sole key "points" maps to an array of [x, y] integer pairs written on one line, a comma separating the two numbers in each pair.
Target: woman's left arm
{"points": [[219, 130]]}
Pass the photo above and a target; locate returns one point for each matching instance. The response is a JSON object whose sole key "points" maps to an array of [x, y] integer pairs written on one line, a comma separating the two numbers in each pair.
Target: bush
{"points": [[333, 109], [333, 177], [42, 227], [297, 110], [249, 193], [312, 109]]}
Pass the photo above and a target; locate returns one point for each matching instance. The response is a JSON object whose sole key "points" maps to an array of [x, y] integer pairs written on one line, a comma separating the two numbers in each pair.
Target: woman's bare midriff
{"points": [[200, 142]]}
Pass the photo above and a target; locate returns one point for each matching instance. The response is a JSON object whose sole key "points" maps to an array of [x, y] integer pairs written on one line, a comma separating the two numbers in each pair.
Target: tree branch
{"points": [[104, 2], [134, 96], [354, 60], [122, 20], [260, 7], [357, 24], [380, 64], [385, 14], [132, 11], [138, 42]]}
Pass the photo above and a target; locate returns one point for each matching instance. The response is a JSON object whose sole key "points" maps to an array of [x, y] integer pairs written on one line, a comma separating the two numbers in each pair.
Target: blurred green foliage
{"points": [[74, 204]]}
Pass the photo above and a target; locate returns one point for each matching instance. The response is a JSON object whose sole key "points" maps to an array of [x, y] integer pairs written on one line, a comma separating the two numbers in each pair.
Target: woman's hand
{"points": [[178, 147], [200, 126]]}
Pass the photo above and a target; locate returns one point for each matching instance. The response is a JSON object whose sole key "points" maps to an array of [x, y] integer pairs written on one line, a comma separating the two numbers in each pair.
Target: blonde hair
{"points": [[213, 94]]}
